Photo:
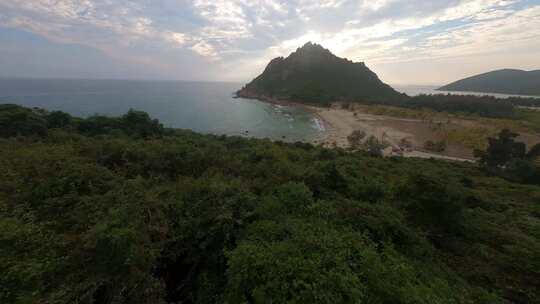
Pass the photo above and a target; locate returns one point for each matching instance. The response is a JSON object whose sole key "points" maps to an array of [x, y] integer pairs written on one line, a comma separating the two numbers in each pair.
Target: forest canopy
{"points": [[121, 210]]}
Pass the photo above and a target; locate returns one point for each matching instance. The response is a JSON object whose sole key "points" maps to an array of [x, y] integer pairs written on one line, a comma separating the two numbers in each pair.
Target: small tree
{"points": [[375, 146], [434, 203], [140, 124], [501, 150], [534, 152], [346, 106], [404, 143], [439, 146], [508, 158], [58, 119], [355, 139], [16, 120]]}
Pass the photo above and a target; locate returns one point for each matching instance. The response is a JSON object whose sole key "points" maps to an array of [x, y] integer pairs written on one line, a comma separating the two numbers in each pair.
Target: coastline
{"points": [[314, 110], [339, 123], [336, 130]]}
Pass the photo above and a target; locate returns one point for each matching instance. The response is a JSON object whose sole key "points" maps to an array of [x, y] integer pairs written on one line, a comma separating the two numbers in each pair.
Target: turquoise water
{"points": [[199, 106]]}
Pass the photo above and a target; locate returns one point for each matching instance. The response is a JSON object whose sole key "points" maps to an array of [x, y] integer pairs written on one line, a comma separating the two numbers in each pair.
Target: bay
{"points": [[205, 107]]}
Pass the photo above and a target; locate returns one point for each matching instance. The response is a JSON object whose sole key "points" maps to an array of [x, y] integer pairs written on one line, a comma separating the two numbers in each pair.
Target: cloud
{"points": [[179, 39], [493, 14], [375, 5], [205, 49], [226, 19], [237, 37]]}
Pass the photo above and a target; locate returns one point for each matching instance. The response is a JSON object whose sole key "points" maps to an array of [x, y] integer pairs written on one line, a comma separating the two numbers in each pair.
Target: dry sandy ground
{"points": [[341, 123]]}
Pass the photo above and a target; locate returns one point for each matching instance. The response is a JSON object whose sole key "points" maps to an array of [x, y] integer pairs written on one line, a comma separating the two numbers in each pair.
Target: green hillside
{"points": [[506, 81], [313, 74], [120, 210]]}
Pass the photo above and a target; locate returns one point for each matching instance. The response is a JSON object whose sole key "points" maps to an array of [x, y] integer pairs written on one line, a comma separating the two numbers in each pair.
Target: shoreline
{"points": [[313, 109], [340, 123]]}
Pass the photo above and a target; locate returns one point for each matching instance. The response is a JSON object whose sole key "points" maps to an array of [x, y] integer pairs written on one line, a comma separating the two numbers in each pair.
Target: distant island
{"points": [[507, 81], [312, 74]]}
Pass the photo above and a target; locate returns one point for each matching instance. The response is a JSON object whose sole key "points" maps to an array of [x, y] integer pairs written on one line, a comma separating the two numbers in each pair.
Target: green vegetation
{"points": [[356, 139], [524, 102], [429, 106], [475, 138], [506, 81], [435, 146], [20, 121], [119, 210], [528, 119], [374, 147], [508, 158], [394, 111], [15, 120], [484, 106]]}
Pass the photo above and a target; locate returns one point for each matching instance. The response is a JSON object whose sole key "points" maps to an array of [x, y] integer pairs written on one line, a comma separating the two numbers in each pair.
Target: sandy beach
{"points": [[340, 123]]}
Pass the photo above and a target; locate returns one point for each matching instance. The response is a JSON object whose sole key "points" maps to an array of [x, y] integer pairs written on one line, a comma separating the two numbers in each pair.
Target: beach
{"points": [[340, 123]]}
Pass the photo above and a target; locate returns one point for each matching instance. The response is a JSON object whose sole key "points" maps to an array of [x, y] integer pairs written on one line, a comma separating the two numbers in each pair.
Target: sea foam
{"points": [[318, 124]]}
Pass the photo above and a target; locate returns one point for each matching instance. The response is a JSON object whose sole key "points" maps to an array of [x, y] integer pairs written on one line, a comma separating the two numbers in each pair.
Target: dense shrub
{"points": [[16, 120], [486, 106], [188, 218]]}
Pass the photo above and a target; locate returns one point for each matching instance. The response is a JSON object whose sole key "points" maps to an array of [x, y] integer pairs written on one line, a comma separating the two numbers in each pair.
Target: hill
{"points": [[120, 210], [312, 74], [507, 81]]}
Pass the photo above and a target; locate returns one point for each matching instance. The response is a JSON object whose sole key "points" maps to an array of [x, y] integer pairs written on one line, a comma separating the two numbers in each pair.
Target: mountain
{"points": [[507, 81], [312, 74]]}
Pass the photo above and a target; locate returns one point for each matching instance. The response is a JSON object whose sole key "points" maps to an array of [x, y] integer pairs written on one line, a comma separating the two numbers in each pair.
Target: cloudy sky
{"points": [[404, 41]]}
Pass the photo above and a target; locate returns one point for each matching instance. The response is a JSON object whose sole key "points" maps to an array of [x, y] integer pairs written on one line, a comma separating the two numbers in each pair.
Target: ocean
{"points": [[204, 107]]}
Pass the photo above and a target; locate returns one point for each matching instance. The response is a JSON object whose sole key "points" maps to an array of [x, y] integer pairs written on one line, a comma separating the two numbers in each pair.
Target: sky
{"points": [[403, 41]]}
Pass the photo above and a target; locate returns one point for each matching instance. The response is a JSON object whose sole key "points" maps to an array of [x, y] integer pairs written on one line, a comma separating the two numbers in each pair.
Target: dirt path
{"points": [[420, 154]]}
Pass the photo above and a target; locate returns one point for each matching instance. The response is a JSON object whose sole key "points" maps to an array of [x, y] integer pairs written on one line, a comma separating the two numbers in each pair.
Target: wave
{"points": [[318, 124]]}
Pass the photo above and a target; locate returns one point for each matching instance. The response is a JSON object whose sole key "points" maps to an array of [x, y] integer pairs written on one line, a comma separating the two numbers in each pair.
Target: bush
{"points": [[189, 218], [19, 121], [58, 119], [374, 146], [140, 124], [439, 146], [434, 204], [355, 139]]}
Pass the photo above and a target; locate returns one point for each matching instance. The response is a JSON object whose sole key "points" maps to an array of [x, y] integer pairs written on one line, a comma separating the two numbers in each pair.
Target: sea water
{"points": [[205, 107]]}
